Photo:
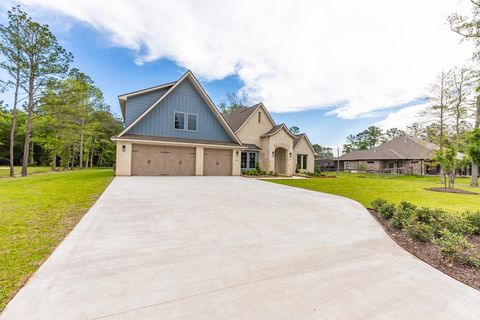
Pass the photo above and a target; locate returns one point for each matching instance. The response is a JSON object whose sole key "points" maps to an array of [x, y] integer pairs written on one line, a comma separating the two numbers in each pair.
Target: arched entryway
{"points": [[280, 161]]}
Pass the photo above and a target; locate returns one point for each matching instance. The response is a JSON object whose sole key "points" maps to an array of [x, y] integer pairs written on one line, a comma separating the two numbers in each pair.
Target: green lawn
{"points": [[5, 171], [36, 213], [391, 188]]}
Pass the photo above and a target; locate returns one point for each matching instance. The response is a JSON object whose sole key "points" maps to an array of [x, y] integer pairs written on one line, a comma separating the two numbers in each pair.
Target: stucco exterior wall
{"points": [[279, 140], [303, 147], [252, 129], [199, 153], [123, 164], [236, 170]]}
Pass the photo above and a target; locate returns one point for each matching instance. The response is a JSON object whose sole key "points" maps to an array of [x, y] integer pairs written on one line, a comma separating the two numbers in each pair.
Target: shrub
{"points": [[403, 214], [419, 231], [387, 210], [455, 223], [474, 220], [377, 203], [456, 248]]}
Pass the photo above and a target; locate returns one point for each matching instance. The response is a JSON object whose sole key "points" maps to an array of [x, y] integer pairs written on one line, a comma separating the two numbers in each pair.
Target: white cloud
{"points": [[294, 55], [402, 118]]}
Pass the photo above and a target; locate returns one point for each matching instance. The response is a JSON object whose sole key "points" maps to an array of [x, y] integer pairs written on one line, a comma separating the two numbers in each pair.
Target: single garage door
{"points": [[217, 162], [162, 161]]}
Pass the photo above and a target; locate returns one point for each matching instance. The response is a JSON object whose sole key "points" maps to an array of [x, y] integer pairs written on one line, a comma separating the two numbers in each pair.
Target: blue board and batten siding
{"points": [[136, 105], [184, 98]]}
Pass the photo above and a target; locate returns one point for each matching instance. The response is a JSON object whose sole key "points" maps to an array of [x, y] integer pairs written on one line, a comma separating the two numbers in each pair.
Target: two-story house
{"points": [[176, 129]]}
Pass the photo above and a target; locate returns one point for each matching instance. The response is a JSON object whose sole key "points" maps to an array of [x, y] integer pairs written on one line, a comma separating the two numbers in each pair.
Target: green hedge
{"points": [[449, 231]]}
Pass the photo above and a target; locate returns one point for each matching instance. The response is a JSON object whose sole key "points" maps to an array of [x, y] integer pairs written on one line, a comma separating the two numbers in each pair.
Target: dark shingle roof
{"points": [[237, 118], [297, 139], [401, 148]]}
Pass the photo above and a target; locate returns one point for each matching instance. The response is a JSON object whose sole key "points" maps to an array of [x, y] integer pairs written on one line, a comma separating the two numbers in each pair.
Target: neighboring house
{"points": [[175, 129], [272, 146], [405, 154], [326, 165]]}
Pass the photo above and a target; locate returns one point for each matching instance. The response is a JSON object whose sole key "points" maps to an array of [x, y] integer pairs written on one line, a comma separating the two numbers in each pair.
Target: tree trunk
{"points": [[14, 123], [54, 161], [81, 151], [31, 154], [474, 180], [26, 146]]}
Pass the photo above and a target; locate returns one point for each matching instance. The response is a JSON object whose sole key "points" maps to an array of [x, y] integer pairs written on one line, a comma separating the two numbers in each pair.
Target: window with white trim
{"points": [[192, 120], [179, 120], [302, 161]]}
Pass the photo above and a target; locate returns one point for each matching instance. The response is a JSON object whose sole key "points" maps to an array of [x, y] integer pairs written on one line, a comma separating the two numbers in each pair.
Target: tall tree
{"points": [[459, 109], [11, 48], [294, 129], [437, 111], [473, 150], [45, 59], [469, 28], [393, 133]]}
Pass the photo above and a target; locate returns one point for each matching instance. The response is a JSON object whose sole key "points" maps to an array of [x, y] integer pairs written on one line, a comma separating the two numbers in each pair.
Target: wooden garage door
{"points": [[162, 161], [217, 162]]}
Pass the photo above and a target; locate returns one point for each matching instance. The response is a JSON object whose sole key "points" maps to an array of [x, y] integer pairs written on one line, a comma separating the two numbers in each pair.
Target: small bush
{"points": [[456, 248], [387, 210], [419, 231], [377, 203], [455, 223], [474, 220], [403, 214]]}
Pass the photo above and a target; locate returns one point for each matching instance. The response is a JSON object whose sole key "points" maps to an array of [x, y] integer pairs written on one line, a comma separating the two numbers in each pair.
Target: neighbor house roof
{"points": [[400, 148], [239, 116]]}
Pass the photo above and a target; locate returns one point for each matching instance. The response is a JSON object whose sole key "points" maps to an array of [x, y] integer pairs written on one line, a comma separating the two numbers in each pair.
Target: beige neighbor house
{"points": [[175, 129], [272, 146], [403, 155]]}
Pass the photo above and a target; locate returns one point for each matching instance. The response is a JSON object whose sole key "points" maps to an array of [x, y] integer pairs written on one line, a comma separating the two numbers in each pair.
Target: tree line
{"points": [[57, 116]]}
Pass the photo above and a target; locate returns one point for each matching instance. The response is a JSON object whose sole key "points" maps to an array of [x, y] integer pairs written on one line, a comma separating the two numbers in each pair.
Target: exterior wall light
{"points": [[273, 153], [123, 148], [236, 153], [290, 154]]}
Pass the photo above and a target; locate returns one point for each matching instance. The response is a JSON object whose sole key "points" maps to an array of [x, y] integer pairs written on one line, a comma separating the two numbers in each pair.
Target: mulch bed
{"points": [[429, 253], [451, 190]]}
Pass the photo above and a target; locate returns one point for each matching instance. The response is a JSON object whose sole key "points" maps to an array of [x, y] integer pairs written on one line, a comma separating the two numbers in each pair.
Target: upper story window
{"points": [[259, 117], [192, 119], [179, 120]]}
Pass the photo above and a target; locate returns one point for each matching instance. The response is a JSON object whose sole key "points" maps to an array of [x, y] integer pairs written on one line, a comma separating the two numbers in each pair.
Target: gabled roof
{"points": [[122, 99], [400, 148], [237, 118], [301, 136], [171, 86], [277, 128]]}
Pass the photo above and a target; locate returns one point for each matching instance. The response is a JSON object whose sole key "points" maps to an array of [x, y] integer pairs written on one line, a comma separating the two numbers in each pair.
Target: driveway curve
{"points": [[233, 248]]}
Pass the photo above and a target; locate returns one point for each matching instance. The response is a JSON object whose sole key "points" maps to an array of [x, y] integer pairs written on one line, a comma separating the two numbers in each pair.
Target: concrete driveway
{"points": [[233, 248]]}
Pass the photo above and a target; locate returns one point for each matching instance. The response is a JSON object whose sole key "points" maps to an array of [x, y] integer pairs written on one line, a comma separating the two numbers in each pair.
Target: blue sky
{"points": [[329, 88]]}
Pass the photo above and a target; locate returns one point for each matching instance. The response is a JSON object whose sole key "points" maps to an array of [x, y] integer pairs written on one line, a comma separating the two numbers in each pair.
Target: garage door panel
{"points": [[217, 162], [162, 160]]}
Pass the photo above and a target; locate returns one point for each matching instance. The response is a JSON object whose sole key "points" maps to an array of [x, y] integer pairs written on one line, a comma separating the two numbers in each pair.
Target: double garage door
{"points": [[148, 160]]}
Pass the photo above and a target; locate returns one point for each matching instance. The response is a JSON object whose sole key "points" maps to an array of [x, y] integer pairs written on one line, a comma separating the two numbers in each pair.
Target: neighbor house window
{"points": [[259, 117], [179, 120], [370, 162], [302, 161], [192, 122]]}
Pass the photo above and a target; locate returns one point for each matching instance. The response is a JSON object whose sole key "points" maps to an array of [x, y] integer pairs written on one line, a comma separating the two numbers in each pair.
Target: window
{"points": [[192, 122], [179, 120], [243, 160], [252, 159], [302, 161], [259, 117], [370, 162]]}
